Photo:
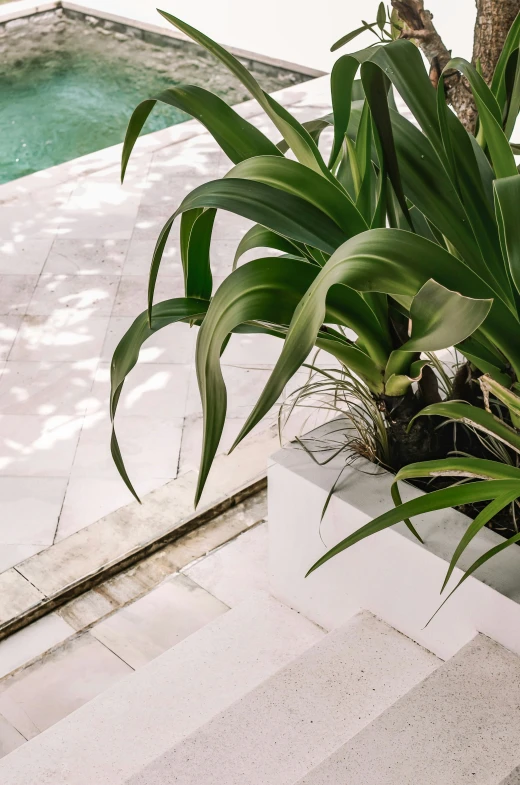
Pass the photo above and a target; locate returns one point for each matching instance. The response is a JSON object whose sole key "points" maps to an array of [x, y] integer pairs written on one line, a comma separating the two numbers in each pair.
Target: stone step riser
{"points": [[460, 725], [117, 734], [301, 714]]}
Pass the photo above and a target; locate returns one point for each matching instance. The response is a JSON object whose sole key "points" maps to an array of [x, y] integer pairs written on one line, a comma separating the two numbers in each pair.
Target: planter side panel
{"points": [[388, 574]]}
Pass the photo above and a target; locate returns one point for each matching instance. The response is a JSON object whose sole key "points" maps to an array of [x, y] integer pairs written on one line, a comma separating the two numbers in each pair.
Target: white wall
{"points": [[300, 31]]}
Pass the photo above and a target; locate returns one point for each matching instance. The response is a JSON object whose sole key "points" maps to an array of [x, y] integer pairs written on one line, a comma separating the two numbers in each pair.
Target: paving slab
{"points": [[237, 570], [32, 642], [59, 683], [141, 631], [10, 738]]}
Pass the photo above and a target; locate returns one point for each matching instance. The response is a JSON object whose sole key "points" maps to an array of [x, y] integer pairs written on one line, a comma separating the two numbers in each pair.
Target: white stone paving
{"points": [[51, 668], [74, 257]]}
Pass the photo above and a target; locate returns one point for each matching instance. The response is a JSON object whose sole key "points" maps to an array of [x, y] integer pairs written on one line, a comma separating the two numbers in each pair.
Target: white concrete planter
{"points": [[390, 574]]}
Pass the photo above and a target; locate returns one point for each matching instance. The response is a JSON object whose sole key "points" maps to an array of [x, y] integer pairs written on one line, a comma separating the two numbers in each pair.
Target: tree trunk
{"points": [[494, 18]]}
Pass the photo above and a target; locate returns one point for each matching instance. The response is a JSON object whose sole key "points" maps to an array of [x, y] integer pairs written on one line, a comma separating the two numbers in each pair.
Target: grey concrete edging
{"points": [[83, 583]]}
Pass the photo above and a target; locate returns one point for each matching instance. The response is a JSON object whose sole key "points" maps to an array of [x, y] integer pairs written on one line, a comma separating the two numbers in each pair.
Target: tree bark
{"points": [[494, 18]]}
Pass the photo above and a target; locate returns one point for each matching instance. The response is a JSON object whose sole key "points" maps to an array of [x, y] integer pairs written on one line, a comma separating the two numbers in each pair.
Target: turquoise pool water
{"points": [[72, 90]]}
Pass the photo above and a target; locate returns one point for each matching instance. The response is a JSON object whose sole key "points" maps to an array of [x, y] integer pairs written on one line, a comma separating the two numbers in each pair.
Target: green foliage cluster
{"points": [[405, 241]]}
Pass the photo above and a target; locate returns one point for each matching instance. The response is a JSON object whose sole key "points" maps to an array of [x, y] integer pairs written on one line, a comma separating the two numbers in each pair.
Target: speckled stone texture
{"points": [[302, 714], [513, 778], [131, 724], [459, 726]]}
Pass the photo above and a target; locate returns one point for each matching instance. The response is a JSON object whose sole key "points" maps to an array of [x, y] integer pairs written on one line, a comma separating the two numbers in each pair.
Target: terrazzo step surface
{"points": [[513, 778], [461, 725], [301, 714], [118, 733]]}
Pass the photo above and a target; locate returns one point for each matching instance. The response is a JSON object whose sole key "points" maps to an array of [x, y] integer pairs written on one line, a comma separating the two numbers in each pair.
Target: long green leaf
{"points": [[507, 201], [375, 82], [365, 201], [436, 500], [513, 95], [427, 185], [472, 177], [261, 290], [260, 237], [490, 386], [236, 136], [294, 178], [510, 45], [127, 351], [485, 357], [285, 213], [478, 563], [299, 140], [490, 118], [471, 468], [341, 85], [314, 127], [484, 516], [195, 240], [479, 418]]}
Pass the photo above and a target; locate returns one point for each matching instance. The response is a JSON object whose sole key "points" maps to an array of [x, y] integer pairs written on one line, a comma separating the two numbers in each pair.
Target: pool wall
{"points": [[43, 35], [27, 18]]}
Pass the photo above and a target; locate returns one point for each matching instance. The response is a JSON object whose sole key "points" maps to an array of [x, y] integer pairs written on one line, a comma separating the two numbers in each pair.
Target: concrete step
{"points": [[461, 725], [118, 733], [304, 712], [513, 778]]}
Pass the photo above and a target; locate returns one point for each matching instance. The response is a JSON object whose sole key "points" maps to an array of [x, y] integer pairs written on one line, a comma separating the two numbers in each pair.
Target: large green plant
{"points": [[338, 266], [407, 236], [478, 180]]}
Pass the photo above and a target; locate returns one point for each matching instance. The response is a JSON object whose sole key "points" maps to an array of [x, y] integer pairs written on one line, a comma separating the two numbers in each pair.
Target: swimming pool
{"points": [[69, 83]]}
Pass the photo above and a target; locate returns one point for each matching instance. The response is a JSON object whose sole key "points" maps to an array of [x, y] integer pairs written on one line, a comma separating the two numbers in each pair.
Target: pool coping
{"points": [[149, 143]]}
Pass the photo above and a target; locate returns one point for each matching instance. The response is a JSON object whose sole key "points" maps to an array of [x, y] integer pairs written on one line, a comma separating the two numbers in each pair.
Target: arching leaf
{"points": [[294, 178], [195, 241], [441, 318], [507, 201], [474, 416], [299, 140], [127, 351], [260, 237], [236, 136], [269, 290], [436, 500], [277, 210]]}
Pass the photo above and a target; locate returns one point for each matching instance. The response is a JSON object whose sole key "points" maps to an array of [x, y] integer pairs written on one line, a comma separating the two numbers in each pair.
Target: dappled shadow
{"points": [[74, 261]]}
